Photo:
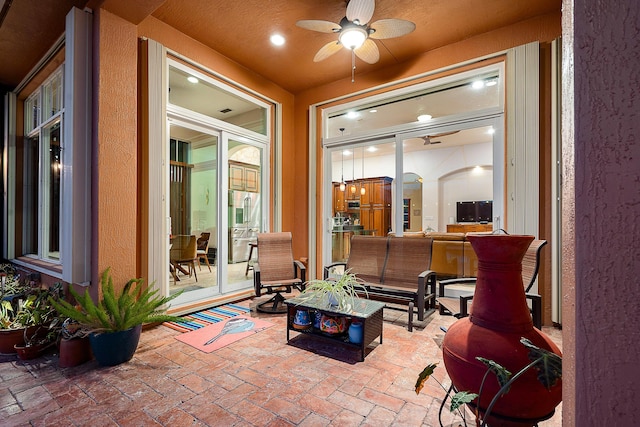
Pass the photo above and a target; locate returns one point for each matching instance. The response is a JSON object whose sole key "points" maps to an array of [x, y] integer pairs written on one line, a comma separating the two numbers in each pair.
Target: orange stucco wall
{"points": [[115, 192]]}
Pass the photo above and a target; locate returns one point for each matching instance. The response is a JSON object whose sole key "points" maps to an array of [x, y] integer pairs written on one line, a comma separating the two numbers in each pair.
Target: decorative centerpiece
{"points": [[339, 293], [499, 321]]}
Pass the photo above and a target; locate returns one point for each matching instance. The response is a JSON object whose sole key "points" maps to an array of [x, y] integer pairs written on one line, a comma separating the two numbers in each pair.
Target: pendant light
{"points": [[343, 185], [352, 188], [363, 190]]}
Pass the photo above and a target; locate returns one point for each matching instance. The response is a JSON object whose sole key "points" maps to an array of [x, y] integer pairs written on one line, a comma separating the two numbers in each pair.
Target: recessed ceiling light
{"points": [[192, 79], [373, 111], [478, 84], [491, 83], [424, 118], [372, 149], [277, 39], [352, 115], [346, 152], [491, 131]]}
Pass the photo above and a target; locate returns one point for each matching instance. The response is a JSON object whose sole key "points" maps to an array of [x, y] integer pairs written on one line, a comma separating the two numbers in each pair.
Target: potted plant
{"points": [[547, 365], [115, 322], [40, 320], [339, 292], [25, 313]]}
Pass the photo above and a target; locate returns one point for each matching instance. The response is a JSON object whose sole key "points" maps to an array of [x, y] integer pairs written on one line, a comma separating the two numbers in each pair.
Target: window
{"points": [[41, 173]]}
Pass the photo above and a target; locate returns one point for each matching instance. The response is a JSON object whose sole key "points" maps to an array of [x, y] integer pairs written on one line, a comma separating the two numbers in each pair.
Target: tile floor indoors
{"points": [[257, 381]]}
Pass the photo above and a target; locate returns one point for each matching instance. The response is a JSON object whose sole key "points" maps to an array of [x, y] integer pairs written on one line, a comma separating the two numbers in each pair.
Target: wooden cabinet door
{"points": [[236, 177], [366, 198], [338, 199], [252, 179]]}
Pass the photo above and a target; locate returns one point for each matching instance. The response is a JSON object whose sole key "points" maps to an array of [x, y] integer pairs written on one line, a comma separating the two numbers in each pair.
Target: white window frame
{"points": [[40, 130]]}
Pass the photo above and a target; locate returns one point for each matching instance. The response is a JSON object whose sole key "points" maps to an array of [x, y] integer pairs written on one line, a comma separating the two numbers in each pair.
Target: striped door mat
{"points": [[207, 317]]}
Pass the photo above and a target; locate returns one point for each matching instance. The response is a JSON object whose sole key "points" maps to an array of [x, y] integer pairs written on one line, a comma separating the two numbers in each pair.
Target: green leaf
{"points": [[502, 374], [424, 376], [461, 398], [547, 364]]}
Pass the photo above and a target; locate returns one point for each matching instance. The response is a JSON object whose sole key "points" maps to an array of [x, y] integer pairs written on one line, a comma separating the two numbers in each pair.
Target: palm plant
{"points": [[135, 305]]}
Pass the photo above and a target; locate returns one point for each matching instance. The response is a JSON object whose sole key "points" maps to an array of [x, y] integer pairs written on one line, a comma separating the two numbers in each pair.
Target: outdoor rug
{"points": [[218, 335], [207, 317]]}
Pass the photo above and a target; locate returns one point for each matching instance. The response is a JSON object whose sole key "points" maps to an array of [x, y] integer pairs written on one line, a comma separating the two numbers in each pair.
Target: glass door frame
{"points": [[225, 132], [495, 119]]}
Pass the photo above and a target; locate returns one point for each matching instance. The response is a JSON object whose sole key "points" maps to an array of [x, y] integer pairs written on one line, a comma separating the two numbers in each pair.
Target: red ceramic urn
{"points": [[499, 318]]}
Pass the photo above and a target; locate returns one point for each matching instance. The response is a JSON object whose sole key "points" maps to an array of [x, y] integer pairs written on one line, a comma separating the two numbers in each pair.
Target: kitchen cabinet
{"points": [[244, 177], [338, 199], [375, 205]]}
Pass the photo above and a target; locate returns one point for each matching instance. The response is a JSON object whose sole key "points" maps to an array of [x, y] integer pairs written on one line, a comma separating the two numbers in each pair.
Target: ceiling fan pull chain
{"points": [[353, 66]]}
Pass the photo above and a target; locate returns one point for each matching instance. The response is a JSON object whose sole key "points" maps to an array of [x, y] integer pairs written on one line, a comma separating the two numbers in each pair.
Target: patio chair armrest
{"points": [[536, 309], [326, 269], [464, 305], [301, 270]]}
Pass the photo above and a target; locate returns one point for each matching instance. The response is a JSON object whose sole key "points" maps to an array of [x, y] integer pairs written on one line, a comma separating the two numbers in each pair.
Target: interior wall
{"points": [[466, 185]]}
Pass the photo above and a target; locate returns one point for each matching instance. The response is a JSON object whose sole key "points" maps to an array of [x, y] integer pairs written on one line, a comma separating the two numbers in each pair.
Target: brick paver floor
{"points": [[257, 381]]}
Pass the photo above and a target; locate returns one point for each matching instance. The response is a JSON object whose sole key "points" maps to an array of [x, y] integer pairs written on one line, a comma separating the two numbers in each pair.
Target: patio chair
{"points": [[276, 271], [203, 249], [459, 307]]}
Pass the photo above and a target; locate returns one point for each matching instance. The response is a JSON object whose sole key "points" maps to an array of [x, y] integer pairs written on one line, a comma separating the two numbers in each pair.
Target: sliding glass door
{"points": [[193, 212]]}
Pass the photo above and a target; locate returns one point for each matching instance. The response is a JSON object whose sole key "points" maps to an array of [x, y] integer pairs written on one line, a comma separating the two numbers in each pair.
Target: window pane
{"points": [[215, 102], [52, 93], [51, 219], [31, 109], [442, 169], [476, 93], [30, 195]]}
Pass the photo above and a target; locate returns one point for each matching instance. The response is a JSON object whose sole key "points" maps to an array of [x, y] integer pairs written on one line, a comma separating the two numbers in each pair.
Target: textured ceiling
{"points": [[240, 30]]}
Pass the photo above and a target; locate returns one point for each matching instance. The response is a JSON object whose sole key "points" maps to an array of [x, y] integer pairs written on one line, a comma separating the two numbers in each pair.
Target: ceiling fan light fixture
{"points": [[353, 37]]}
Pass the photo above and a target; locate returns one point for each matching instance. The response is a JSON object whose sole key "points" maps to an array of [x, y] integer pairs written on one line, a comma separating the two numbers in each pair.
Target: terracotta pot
{"points": [[9, 338], [499, 318], [32, 351], [74, 352]]}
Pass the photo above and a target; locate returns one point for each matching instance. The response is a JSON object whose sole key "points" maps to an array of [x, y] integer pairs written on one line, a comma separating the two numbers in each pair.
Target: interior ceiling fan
{"points": [[428, 140], [356, 33]]}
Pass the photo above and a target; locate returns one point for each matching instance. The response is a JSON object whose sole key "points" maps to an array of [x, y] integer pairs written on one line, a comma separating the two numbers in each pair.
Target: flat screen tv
{"points": [[474, 211]]}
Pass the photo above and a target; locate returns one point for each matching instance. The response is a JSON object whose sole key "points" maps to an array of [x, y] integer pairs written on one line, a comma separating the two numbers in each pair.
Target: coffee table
{"points": [[368, 312]]}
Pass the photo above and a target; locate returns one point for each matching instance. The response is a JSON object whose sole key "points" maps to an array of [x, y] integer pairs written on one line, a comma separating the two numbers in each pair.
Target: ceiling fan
{"points": [[428, 140], [356, 33]]}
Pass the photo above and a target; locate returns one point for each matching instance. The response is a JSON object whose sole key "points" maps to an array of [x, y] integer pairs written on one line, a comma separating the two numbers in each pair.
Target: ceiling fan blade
{"points": [[389, 28], [327, 50], [360, 10], [368, 52], [319, 25]]}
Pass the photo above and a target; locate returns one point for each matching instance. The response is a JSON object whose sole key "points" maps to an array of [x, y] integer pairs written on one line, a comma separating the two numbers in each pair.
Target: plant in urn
{"points": [[499, 319]]}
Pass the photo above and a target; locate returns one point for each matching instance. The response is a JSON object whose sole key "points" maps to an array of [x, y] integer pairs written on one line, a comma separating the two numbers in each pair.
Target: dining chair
{"points": [[184, 252], [203, 249]]}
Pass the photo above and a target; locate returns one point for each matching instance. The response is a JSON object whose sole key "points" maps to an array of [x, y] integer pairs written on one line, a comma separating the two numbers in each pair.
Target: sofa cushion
{"points": [[367, 257], [406, 260]]}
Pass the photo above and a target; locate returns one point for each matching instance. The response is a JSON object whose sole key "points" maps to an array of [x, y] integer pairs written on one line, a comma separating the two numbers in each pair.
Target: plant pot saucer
{"points": [[301, 327]]}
